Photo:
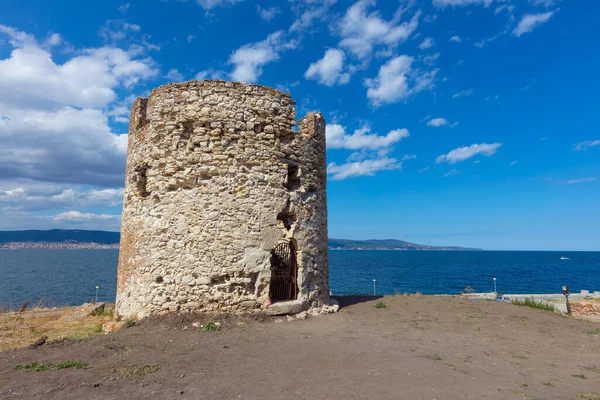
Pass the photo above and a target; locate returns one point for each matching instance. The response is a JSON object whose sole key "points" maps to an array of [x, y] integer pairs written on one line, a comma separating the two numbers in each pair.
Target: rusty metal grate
{"points": [[284, 272]]}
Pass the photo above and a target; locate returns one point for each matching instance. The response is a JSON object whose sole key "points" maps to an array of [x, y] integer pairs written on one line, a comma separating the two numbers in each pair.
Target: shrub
{"points": [[531, 302], [381, 304], [210, 326], [71, 364], [34, 366]]}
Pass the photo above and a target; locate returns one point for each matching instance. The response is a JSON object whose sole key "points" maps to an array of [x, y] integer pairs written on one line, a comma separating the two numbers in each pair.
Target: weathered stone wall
{"points": [[216, 178], [582, 308]]}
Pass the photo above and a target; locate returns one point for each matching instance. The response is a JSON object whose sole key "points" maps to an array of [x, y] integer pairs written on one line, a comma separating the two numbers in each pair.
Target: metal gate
{"points": [[284, 272]]}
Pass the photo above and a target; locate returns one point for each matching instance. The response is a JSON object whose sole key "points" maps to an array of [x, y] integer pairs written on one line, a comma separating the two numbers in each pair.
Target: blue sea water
{"points": [[69, 277]]}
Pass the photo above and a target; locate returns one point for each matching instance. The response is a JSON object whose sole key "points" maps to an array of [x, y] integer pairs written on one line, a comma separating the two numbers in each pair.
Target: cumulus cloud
{"points": [[329, 70], [54, 124], [362, 138], [581, 180], [361, 30], [586, 144], [437, 122], [249, 59], [460, 3], [464, 153], [456, 39], [30, 77], [397, 81], [529, 22], [409, 157], [362, 168], [426, 44]]}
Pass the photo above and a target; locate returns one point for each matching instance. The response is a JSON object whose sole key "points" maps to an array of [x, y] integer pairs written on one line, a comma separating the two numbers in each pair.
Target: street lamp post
{"points": [[97, 287], [495, 291], [374, 288]]}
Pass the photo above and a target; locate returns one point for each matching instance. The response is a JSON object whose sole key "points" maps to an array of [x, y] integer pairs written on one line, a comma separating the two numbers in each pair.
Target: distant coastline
{"points": [[82, 239], [55, 245]]}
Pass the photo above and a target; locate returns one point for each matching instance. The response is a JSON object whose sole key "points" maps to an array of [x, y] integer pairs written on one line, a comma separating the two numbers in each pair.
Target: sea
{"points": [[60, 277]]}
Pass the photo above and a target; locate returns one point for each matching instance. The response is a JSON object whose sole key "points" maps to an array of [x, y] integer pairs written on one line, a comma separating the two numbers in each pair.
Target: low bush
{"points": [[531, 302]]}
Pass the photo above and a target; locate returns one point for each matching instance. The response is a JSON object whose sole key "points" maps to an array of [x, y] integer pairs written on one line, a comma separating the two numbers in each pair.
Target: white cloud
{"points": [[31, 77], [426, 44], [66, 145], [453, 171], [249, 59], [483, 42], [424, 169], [456, 39], [362, 168], [210, 74], [409, 157], [309, 11], [397, 81], [513, 162], [460, 3], [174, 75], [544, 3], [581, 180], [54, 124], [361, 30], [587, 144], [462, 93], [466, 152], [362, 138], [76, 216], [124, 7], [210, 4], [33, 196], [53, 40], [191, 38], [116, 30], [437, 122], [531, 21], [267, 14], [329, 69]]}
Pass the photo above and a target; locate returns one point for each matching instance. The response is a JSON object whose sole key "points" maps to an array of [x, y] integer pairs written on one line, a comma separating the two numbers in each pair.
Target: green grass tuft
{"points": [[531, 302], [547, 384], [34, 366], [210, 326], [381, 304], [580, 376], [71, 364], [593, 332]]}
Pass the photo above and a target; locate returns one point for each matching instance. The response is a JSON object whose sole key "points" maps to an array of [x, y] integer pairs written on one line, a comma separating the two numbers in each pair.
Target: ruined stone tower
{"points": [[225, 204]]}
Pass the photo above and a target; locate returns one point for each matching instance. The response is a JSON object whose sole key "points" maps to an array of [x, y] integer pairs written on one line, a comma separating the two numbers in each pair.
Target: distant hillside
{"points": [[60, 236], [386, 244], [104, 237]]}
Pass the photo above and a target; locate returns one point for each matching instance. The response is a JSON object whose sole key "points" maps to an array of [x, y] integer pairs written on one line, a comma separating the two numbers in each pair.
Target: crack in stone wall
{"points": [[216, 178]]}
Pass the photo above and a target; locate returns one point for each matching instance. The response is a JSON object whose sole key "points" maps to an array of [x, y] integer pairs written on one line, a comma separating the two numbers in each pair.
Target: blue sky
{"points": [[450, 122]]}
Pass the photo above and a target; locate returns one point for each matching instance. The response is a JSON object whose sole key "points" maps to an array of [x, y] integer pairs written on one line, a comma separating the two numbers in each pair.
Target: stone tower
{"points": [[225, 206]]}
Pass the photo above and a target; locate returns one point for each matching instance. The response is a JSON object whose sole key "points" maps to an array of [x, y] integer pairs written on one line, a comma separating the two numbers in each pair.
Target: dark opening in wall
{"points": [[287, 218], [159, 279], [293, 177], [258, 128], [141, 180], [188, 129], [284, 273]]}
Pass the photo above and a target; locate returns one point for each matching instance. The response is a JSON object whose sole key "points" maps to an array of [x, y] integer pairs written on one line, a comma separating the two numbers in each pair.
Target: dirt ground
{"points": [[420, 347]]}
